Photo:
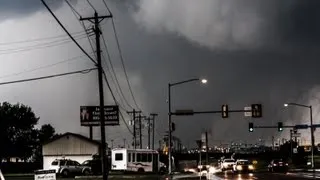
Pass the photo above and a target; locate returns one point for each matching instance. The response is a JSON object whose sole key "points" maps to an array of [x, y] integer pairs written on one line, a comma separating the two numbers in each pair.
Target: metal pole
{"points": [[153, 128], [291, 143], [312, 138], [207, 149], [169, 124], [102, 123], [140, 132], [149, 132], [134, 130]]}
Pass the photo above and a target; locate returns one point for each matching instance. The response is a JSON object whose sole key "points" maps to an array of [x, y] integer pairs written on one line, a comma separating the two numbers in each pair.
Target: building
{"points": [[69, 146]]}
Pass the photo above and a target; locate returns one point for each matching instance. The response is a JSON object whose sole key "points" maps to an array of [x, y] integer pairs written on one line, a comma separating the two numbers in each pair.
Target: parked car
{"points": [[243, 166], [278, 165], [68, 167]]}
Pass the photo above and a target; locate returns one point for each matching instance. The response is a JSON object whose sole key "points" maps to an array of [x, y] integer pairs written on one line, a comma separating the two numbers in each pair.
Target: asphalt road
{"points": [[266, 176]]}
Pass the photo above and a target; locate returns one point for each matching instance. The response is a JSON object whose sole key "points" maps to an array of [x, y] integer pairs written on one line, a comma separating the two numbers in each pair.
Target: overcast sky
{"points": [[251, 51]]}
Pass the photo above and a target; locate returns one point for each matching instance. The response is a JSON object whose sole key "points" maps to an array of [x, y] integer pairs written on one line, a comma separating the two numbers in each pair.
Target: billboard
{"points": [[90, 115]]}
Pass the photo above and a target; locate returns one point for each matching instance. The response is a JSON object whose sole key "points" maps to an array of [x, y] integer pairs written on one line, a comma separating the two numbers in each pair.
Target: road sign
{"points": [[295, 150], [316, 125], [247, 114], [90, 115], [301, 126], [45, 175], [296, 135]]}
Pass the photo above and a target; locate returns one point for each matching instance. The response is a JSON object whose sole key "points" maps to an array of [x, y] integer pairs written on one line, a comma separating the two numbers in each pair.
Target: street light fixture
{"points": [[311, 128], [203, 81]]}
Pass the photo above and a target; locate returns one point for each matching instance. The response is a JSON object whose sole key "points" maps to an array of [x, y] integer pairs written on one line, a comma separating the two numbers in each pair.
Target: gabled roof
{"points": [[75, 135]]}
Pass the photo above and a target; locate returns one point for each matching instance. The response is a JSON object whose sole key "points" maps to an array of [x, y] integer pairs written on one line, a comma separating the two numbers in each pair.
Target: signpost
{"points": [[90, 115], [296, 134], [45, 175]]}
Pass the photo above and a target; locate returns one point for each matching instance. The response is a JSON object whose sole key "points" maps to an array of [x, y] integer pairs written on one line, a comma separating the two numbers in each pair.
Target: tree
{"points": [[44, 134], [17, 133]]}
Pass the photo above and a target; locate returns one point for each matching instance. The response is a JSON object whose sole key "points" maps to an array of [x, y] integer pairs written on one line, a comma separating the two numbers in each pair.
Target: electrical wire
{"points": [[62, 26], [121, 56], [115, 101], [40, 39], [37, 46], [114, 73], [75, 13], [85, 71], [92, 6], [42, 67]]}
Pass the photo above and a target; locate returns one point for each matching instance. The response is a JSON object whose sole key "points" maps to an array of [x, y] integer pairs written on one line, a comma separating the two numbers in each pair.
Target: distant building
{"points": [[69, 146]]}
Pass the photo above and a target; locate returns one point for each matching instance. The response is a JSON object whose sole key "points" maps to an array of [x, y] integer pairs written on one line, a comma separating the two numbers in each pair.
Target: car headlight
{"points": [[251, 167], [239, 168], [200, 167]]}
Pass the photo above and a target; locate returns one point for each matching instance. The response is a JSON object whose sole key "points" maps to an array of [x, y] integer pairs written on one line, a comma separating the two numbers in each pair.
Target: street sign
{"points": [[295, 150], [316, 125], [296, 135], [90, 115], [301, 126], [247, 114], [184, 112], [45, 175]]}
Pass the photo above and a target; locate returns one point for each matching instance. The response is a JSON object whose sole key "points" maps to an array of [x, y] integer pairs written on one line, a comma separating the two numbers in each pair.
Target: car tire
{"points": [[86, 172], [65, 173], [141, 170]]}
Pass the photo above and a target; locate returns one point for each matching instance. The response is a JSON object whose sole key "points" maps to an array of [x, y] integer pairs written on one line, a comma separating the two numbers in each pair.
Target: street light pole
{"points": [[311, 129], [170, 123], [204, 81], [312, 138]]}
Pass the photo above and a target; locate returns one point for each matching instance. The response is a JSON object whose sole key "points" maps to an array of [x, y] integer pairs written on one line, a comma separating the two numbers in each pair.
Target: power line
{"points": [[38, 46], [75, 13], [42, 67], [114, 73], [40, 39], [91, 6], [115, 101], [85, 71], [62, 26]]}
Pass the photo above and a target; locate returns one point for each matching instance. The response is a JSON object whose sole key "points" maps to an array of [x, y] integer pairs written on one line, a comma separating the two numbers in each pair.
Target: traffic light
{"points": [[173, 127], [250, 127], [256, 110], [280, 126], [225, 111]]}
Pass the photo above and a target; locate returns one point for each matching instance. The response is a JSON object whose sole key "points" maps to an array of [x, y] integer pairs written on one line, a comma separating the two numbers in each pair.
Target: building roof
{"points": [[75, 135]]}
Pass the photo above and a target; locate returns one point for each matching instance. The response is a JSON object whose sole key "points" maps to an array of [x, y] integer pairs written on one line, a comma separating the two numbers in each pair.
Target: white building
{"points": [[69, 146]]}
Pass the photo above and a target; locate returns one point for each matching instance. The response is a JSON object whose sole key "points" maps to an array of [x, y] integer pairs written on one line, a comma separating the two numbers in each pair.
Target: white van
{"points": [[138, 160]]}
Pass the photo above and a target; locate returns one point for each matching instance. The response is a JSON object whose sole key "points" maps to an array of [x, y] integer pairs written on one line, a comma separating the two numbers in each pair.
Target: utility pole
{"points": [[207, 149], [124, 142], [291, 143], [134, 112], [149, 120], [96, 20], [153, 115], [140, 130]]}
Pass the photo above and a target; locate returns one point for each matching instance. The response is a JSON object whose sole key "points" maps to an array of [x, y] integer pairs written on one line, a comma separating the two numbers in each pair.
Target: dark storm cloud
{"points": [[237, 24], [19, 8], [281, 65]]}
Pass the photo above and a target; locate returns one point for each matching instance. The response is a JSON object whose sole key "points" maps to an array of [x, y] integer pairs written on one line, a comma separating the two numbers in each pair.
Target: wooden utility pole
{"points": [[96, 21], [134, 114], [153, 115]]}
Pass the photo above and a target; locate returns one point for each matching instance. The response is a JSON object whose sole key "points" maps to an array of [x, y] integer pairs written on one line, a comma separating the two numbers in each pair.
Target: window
{"points": [[144, 157], [55, 163], [133, 157], [149, 157], [75, 163], [138, 157], [129, 157], [70, 163], [119, 156]]}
